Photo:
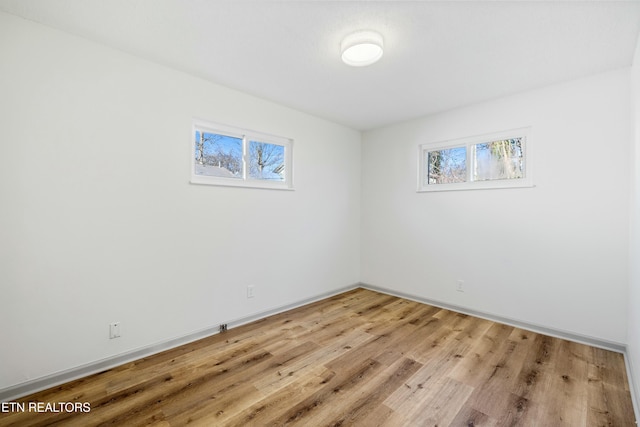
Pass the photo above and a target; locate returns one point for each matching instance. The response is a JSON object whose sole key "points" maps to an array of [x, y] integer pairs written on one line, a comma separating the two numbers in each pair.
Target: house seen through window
{"points": [[228, 156]]}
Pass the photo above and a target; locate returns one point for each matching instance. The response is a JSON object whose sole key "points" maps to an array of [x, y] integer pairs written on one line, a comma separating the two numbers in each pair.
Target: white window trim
{"points": [[469, 143], [245, 135]]}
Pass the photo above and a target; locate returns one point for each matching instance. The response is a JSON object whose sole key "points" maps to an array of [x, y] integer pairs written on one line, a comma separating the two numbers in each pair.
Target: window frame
{"points": [[470, 143], [247, 136]]}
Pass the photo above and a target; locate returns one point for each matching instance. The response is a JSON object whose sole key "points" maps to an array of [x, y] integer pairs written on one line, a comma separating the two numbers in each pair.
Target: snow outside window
{"points": [[224, 155]]}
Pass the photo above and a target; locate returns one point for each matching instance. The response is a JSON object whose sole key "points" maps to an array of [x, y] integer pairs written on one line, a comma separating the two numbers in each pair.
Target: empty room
{"points": [[319, 213]]}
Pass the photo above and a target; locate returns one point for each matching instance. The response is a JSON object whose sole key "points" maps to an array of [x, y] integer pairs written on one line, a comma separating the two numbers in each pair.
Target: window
{"points": [[500, 160], [223, 155]]}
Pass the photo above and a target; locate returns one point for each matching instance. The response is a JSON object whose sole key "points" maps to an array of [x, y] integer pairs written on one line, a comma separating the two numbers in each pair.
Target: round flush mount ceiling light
{"points": [[361, 48]]}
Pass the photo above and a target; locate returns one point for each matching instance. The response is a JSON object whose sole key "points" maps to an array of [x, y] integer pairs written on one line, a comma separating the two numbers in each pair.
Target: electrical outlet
{"points": [[114, 330], [251, 291], [223, 327], [460, 287]]}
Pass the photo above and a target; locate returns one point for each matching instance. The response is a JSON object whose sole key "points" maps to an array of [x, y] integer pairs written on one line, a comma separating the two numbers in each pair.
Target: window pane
{"points": [[218, 155], [266, 161], [447, 166], [499, 160]]}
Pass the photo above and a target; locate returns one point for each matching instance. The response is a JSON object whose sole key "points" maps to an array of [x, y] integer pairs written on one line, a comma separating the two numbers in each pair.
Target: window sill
{"points": [[242, 184], [474, 186]]}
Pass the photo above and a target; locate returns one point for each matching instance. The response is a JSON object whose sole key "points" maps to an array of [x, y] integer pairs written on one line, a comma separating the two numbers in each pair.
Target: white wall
{"points": [[633, 340], [98, 221], [555, 255]]}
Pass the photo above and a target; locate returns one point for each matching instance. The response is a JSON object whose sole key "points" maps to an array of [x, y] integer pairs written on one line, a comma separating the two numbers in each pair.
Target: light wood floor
{"points": [[360, 358]]}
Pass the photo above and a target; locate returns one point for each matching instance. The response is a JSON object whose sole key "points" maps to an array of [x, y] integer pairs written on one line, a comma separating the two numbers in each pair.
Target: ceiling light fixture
{"points": [[361, 48]]}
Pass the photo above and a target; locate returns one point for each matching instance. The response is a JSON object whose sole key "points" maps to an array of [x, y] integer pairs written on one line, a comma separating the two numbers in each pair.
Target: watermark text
{"points": [[7, 407]]}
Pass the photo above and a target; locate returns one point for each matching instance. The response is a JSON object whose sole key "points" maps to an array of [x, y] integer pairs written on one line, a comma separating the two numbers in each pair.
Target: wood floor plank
{"points": [[436, 404], [472, 369], [469, 417], [335, 389], [381, 415], [271, 406], [292, 371], [534, 379], [606, 398], [360, 358], [377, 391]]}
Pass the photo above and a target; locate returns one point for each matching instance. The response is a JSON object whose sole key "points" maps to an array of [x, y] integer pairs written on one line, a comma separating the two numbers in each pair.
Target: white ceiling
{"points": [[438, 55]]}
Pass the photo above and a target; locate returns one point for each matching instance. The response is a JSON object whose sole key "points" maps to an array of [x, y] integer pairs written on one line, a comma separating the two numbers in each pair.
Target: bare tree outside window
{"points": [[218, 155], [502, 159], [447, 166], [266, 161]]}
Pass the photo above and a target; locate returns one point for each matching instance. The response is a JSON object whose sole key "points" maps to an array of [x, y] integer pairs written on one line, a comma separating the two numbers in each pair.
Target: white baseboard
{"points": [[570, 336], [32, 386], [45, 382]]}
